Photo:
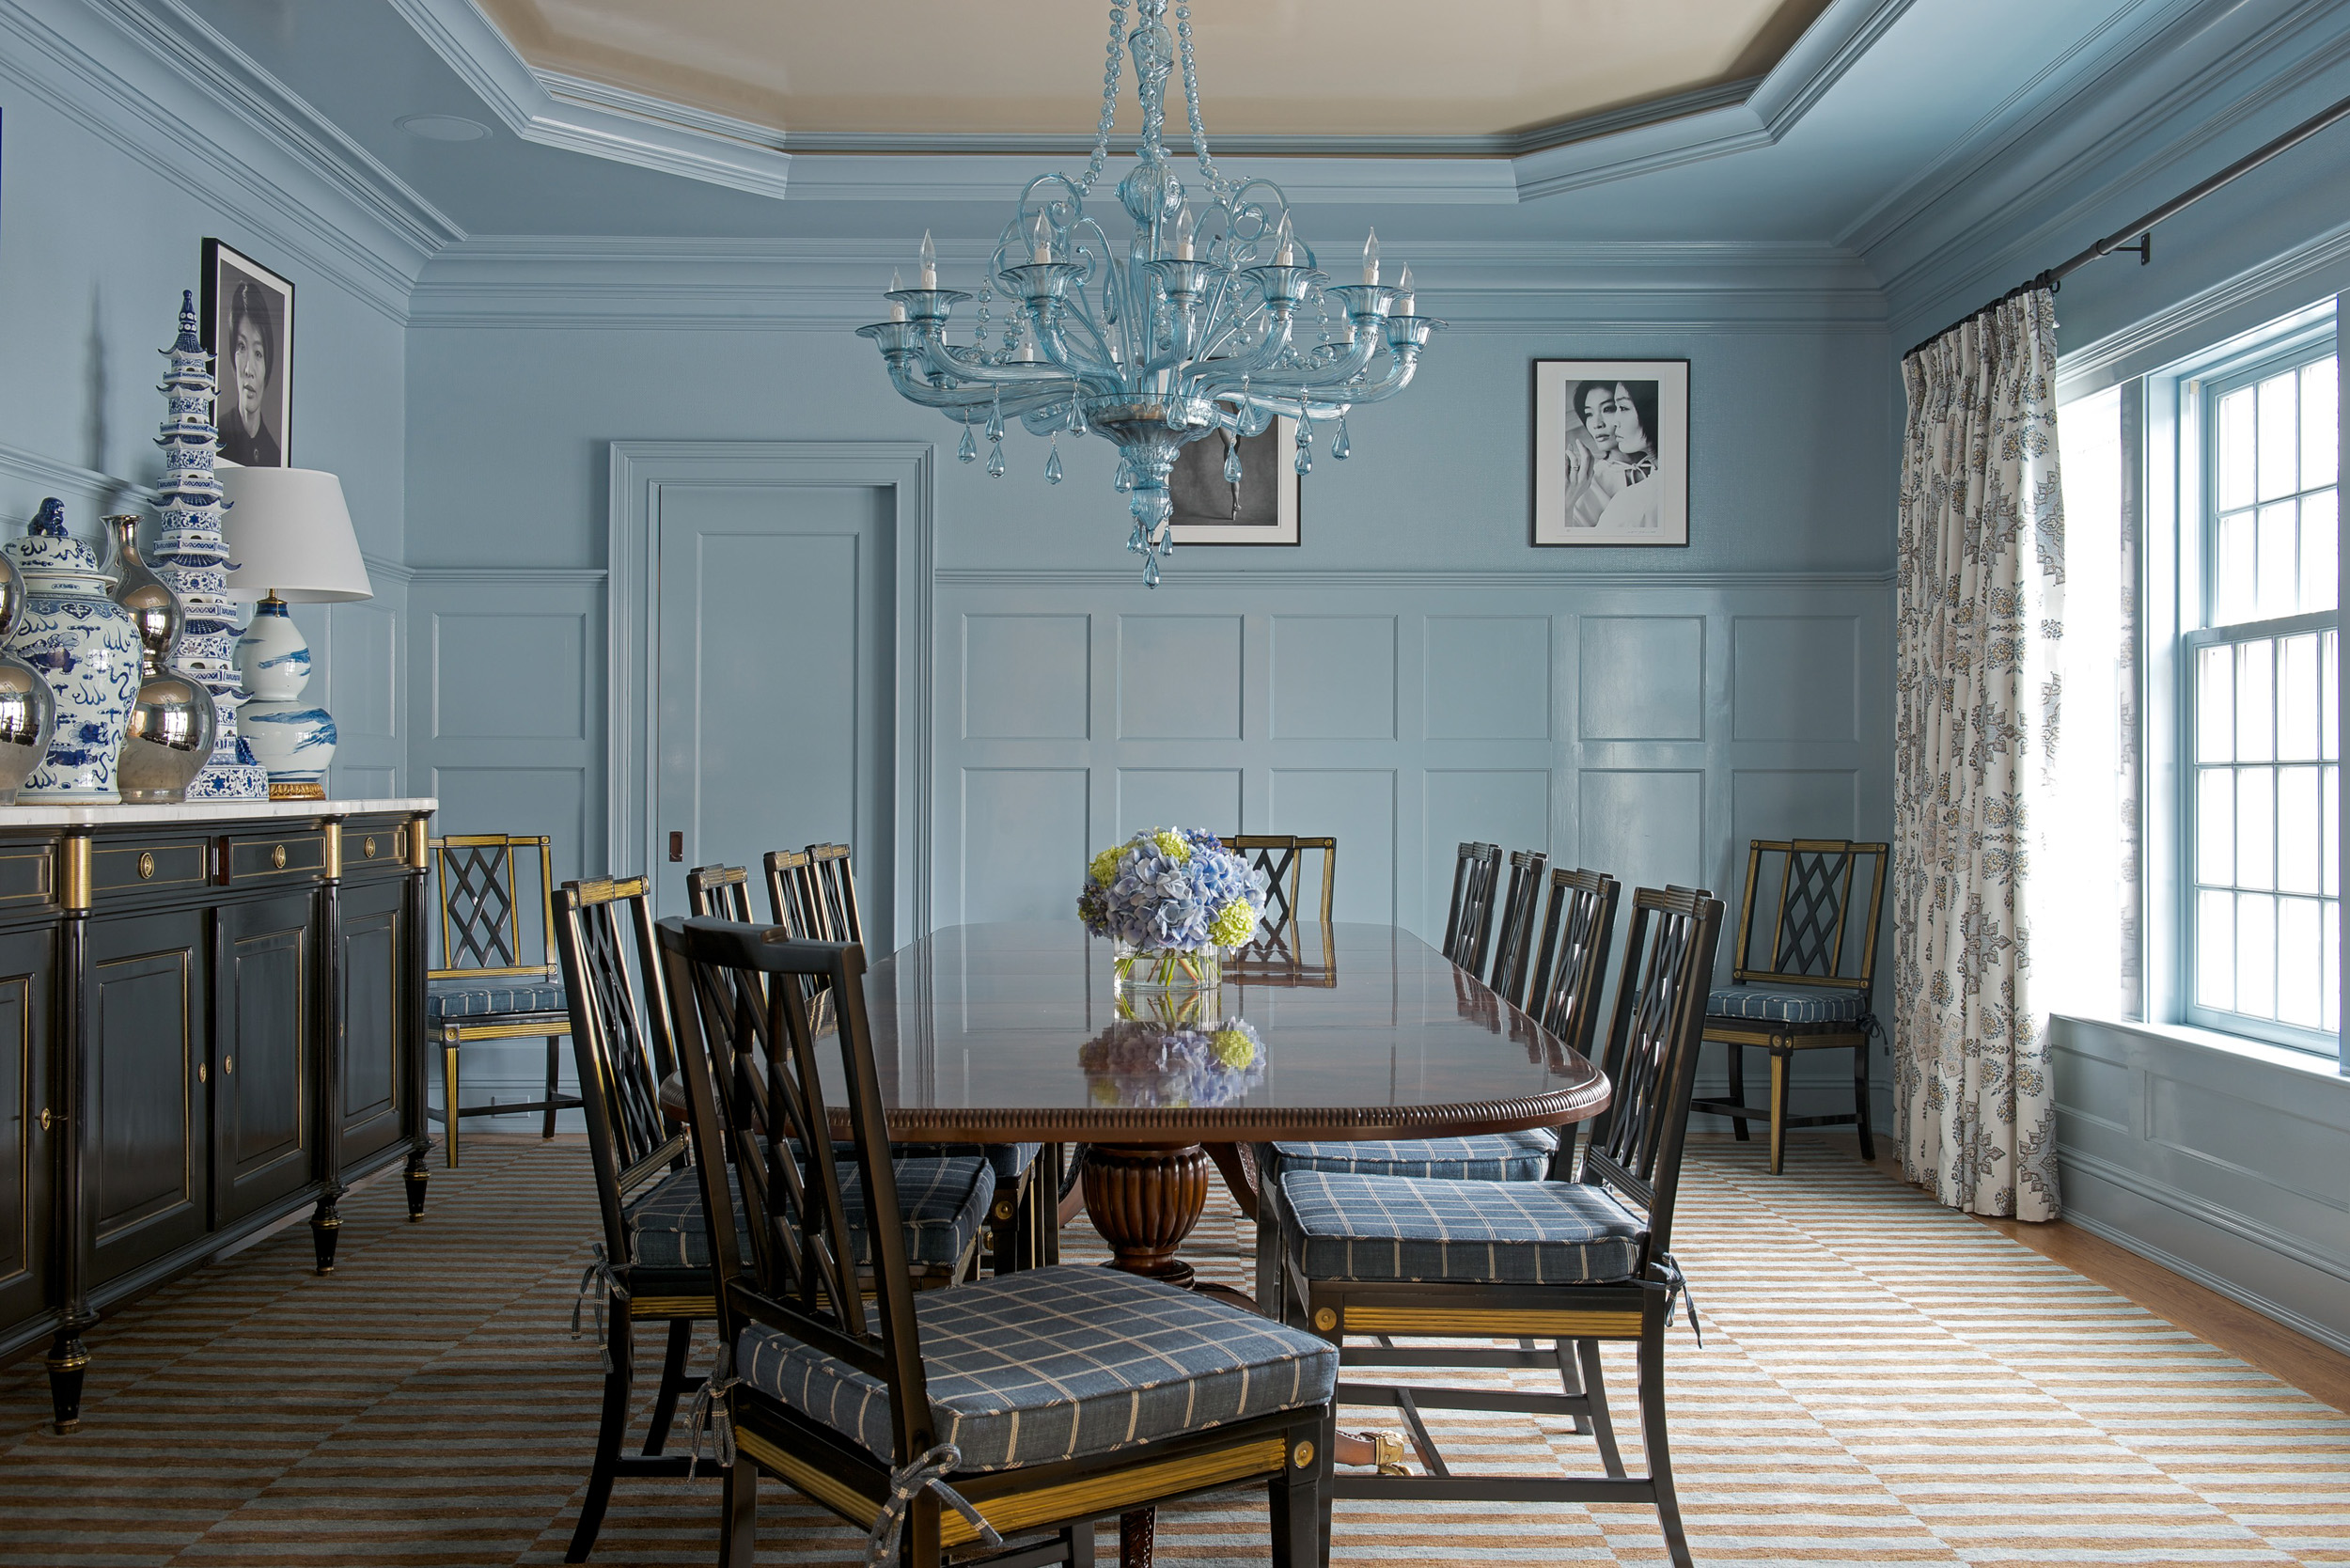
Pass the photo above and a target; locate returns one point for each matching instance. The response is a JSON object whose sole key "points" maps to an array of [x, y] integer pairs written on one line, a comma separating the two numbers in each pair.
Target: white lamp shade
{"points": [[289, 533]]}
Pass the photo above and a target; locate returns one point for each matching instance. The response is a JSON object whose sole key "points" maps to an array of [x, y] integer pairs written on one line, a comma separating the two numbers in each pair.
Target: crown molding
{"points": [[799, 284], [107, 66], [38, 471], [935, 178], [650, 133]]}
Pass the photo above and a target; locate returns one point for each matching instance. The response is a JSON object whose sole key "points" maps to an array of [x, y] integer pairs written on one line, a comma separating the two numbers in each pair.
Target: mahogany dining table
{"points": [[1016, 1032]]}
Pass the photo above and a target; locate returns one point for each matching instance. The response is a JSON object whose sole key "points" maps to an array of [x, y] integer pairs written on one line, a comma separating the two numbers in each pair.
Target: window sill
{"points": [[2308, 1062]]}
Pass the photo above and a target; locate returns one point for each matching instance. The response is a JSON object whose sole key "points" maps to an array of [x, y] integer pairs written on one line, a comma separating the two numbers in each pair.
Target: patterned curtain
{"points": [[1980, 608]]}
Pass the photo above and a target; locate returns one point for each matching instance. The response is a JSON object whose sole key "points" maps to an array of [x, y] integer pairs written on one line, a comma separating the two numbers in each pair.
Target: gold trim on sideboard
{"points": [[74, 874]]}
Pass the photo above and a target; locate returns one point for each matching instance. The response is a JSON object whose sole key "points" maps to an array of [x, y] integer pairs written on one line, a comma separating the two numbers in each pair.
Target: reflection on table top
{"points": [[1014, 1032]]}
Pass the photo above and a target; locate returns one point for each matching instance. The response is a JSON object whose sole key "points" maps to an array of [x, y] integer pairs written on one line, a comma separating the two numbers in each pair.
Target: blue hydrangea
{"points": [[1170, 887]]}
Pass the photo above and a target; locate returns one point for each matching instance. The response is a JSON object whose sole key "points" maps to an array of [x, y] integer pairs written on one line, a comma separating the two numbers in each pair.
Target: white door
{"points": [[772, 699]]}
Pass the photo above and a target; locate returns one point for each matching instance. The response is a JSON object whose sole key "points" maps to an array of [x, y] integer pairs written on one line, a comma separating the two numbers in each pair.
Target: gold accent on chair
{"points": [[1809, 924], [482, 939]]}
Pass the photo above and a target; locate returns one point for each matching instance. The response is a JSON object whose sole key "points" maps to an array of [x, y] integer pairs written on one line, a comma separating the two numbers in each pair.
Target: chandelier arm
{"points": [[1091, 357], [940, 359]]}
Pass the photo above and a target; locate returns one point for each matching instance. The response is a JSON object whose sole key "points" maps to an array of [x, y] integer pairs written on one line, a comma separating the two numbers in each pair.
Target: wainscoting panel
{"points": [[480, 658], [1333, 678], [1506, 807], [1647, 826], [1023, 842], [1764, 800], [1357, 809], [1487, 678], [1171, 797], [1179, 678], [1026, 677], [1642, 679], [1795, 678]]}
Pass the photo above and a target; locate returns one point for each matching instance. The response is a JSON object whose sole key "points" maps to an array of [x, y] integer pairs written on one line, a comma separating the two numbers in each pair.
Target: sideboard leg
{"points": [[68, 1359], [326, 1228], [420, 1176]]}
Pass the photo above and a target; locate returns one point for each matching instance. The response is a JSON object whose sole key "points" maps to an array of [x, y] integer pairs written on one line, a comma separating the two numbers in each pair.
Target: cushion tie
{"points": [[600, 1270], [709, 1409], [926, 1474], [1677, 1284]]}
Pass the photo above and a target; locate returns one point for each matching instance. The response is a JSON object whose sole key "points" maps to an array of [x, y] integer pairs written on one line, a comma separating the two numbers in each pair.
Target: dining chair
{"points": [[1513, 946], [1468, 921], [621, 1041], [498, 977], [1801, 994], [1282, 856], [1578, 1261], [833, 886], [1024, 1405], [1569, 975], [721, 892]]}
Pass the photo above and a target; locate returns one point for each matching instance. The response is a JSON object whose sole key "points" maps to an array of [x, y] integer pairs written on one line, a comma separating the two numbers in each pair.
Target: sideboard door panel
{"points": [[146, 1159], [261, 1099], [376, 1018], [27, 959]]}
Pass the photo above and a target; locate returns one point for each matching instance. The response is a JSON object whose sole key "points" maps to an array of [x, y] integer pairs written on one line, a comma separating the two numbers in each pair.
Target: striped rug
{"points": [[1882, 1381]]}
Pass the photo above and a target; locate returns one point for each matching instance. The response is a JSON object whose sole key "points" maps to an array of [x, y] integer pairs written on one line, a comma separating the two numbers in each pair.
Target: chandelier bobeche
{"points": [[1217, 321]]}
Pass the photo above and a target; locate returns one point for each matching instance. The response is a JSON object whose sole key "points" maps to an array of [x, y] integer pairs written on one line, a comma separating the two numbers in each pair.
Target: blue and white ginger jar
{"points": [[86, 648]]}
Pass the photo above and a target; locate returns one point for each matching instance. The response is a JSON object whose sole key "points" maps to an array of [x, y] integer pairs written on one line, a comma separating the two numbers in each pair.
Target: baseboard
{"points": [[2301, 1324]]}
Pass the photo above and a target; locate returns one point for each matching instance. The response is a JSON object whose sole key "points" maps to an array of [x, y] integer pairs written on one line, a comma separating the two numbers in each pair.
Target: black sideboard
{"points": [[210, 1017]]}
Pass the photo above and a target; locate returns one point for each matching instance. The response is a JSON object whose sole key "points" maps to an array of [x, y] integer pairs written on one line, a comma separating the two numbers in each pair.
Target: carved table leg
{"points": [[67, 1361], [1145, 1201], [1137, 1532]]}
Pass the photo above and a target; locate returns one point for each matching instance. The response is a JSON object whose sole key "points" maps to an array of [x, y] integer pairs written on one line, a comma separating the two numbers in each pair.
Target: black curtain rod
{"points": [[2143, 230]]}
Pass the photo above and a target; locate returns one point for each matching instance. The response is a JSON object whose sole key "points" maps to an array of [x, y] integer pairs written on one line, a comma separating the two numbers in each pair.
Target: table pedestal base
{"points": [[1145, 1199]]}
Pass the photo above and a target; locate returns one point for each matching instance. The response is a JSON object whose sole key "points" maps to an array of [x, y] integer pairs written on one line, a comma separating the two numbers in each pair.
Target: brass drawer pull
{"points": [[200, 1075], [50, 1120], [227, 1066], [146, 866], [277, 856], [366, 848]]}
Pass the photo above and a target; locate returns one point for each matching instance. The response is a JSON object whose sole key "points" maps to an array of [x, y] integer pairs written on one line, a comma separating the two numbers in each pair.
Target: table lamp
{"points": [[289, 541]]}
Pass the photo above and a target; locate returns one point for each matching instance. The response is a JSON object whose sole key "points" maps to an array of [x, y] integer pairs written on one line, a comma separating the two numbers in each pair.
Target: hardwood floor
{"points": [[2314, 1368]]}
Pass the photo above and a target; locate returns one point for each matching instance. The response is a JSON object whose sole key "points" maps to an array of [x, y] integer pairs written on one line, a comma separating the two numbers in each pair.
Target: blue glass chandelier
{"points": [[1211, 319]]}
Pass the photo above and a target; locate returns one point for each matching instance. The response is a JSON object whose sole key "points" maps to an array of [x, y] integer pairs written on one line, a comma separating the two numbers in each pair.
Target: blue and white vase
{"points": [[295, 740], [86, 647]]}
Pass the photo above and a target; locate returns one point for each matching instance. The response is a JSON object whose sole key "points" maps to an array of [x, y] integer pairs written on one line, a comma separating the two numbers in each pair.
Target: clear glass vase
{"points": [[1135, 968]]}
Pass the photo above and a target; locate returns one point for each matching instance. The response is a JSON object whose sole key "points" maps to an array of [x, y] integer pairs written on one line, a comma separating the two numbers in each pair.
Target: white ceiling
{"points": [[916, 69]]}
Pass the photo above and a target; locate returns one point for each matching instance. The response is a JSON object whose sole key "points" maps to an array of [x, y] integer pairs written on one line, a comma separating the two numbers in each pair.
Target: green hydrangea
{"points": [[1172, 844], [1104, 868], [1233, 1049], [1235, 924]]}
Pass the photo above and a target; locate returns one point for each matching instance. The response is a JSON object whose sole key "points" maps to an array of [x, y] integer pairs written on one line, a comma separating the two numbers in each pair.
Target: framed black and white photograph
{"points": [[1611, 451], [1261, 507], [248, 327]]}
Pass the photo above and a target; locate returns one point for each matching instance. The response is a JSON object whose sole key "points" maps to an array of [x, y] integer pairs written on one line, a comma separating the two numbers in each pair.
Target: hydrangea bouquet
{"points": [[1151, 1062], [1177, 895]]}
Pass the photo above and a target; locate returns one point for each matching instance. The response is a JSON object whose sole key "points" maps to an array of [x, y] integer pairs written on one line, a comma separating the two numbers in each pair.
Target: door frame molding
{"points": [[640, 470]]}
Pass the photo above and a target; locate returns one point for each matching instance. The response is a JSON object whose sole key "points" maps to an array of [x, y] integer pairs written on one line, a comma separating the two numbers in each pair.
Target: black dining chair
{"points": [[1469, 919], [1576, 1260], [1023, 1405], [1514, 946]]}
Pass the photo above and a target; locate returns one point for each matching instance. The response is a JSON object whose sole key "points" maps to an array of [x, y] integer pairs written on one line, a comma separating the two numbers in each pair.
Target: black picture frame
{"points": [[1615, 474], [241, 294]]}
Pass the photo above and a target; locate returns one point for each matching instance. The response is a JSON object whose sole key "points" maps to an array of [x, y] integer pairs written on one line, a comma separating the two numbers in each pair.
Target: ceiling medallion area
{"points": [[1214, 315]]}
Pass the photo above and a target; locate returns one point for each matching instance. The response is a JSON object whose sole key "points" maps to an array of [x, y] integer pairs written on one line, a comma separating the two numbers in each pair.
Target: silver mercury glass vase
{"points": [[169, 738], [28, 710]]}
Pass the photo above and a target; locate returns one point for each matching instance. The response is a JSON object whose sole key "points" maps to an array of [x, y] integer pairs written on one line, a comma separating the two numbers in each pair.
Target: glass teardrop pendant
{"points": [[1125, 479], [969, 450], [1052, 464], [1341, 448], [995, 419], [1231, 463], [996, 460]]}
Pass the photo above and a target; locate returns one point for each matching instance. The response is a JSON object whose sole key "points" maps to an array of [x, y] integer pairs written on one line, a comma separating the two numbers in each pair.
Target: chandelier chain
{"points": [[1117, 60], [1216, 182]]}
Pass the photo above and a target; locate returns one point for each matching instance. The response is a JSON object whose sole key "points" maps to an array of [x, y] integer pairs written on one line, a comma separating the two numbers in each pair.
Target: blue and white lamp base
{"points": [[295, 740]]}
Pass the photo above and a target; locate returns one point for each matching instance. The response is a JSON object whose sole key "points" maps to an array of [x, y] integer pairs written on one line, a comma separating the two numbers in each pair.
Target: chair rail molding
{"points": [[640, 470]]}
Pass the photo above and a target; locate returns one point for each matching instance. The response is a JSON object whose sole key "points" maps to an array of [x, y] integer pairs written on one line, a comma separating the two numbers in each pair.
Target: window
{"points": [[2258, 747]]}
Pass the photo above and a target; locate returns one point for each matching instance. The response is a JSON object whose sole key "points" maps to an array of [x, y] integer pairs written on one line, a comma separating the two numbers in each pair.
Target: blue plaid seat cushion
{"points": [[944, 1200], [446, 999], [1012, 1160], [1491, 1158], [1484, 1232], [1799, 1005], [1057, 1363]]}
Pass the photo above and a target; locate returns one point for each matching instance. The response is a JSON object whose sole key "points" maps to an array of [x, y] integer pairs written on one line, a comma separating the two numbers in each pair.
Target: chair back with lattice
{"points": [[1570, 965], [1804, 889], [834, 894], [619, 1039], [1652, 1058], [719, 892], [1469, 920], [1283, 857], [792, 894], [755, 1099], [494, 924], [1513, 938]]}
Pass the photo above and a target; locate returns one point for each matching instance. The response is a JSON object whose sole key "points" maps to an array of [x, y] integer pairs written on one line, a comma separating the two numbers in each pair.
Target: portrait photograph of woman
{"points": [[248, 323], [1611, 451]]}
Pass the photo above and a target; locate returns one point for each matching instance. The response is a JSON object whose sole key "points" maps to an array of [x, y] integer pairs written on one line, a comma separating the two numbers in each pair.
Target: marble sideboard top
{"points": [[34, 814]]}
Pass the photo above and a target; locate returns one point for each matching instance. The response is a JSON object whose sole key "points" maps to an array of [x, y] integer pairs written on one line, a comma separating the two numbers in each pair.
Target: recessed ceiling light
{"points": [[442, 127]]}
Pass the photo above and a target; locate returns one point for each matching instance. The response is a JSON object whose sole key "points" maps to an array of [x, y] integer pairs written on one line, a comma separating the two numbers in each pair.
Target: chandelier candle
{"points": [[1200, 322]]}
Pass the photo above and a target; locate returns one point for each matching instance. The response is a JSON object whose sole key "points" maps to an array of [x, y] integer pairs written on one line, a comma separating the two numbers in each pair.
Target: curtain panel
{"points": [[1979, 613]]}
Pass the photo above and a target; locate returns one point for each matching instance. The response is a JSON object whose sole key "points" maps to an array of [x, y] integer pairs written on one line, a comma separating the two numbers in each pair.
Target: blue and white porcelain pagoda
{"points": [[192, 559]]}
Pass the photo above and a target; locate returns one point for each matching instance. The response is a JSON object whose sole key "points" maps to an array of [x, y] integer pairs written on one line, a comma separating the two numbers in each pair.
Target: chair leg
{"points": [[620, 1345], [1660, 1467], [672, 1387], [1296, 1495], [737, 1538], [1269, 1300], [1076, 1543], [1860, 1098], [1779, 1058], [448, 1099], [1570, 1379], [546, 1128], [1603, 1422], [1738, 1087]]}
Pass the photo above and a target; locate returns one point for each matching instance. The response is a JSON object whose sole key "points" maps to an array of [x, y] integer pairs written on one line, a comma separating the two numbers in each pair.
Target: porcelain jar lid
{"points": [[51, 558]]}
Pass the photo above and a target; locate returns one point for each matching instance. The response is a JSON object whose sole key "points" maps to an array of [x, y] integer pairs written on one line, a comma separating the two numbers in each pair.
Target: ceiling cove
{"points": [[1785, 54]]}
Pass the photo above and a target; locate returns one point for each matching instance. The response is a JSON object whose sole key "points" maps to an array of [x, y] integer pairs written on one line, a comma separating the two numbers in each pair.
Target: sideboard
{"points": [[210, 1017]]}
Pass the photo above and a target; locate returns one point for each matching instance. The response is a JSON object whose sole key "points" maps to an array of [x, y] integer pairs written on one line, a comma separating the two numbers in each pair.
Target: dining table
{"points": [[1022, 1031]]}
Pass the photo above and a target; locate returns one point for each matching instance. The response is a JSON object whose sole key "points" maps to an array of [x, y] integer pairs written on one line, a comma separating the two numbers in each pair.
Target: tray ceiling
{"points": [[902, 71]]}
